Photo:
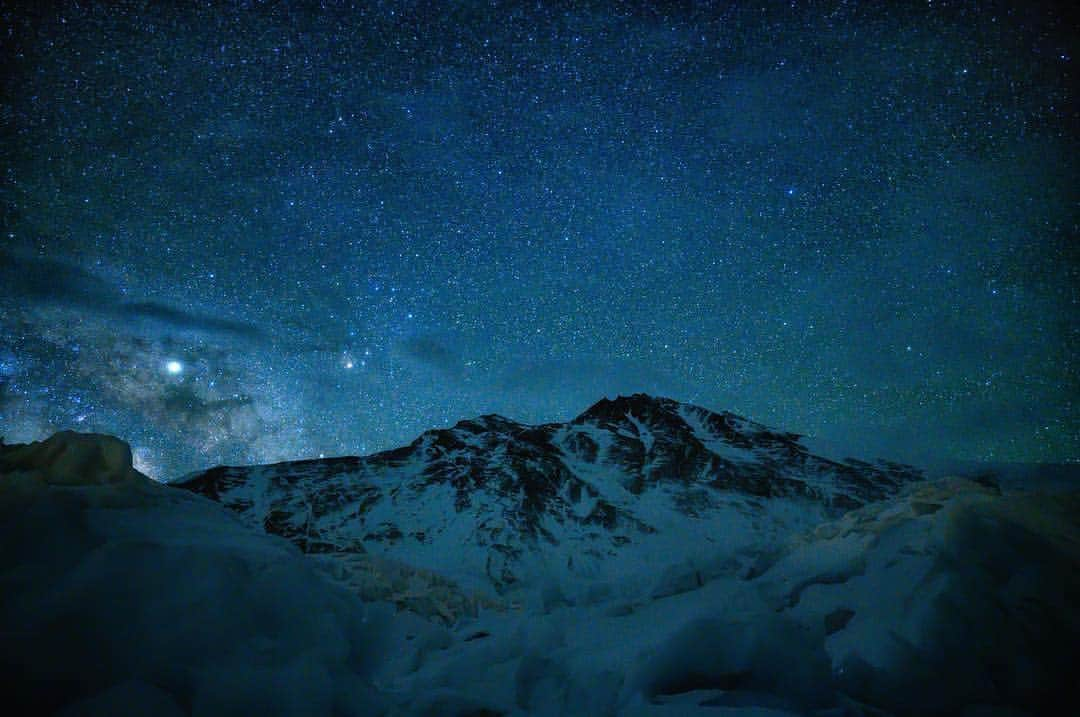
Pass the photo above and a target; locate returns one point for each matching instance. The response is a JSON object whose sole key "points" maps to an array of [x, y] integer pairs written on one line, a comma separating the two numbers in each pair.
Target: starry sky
{"points": [[248, 231]]}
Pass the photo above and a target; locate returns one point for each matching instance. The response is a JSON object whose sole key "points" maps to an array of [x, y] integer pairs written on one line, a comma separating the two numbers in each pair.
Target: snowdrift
{"points": [[121, 596], [952, 599]]}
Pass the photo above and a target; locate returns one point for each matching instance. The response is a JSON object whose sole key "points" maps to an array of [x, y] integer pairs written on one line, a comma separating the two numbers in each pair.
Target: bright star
{"points": [[174, 367]]}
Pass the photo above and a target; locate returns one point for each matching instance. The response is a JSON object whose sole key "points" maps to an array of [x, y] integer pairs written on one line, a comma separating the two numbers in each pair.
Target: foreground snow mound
{"points": [[122, 596], [70, 458], [952, 599], [953, 595]]}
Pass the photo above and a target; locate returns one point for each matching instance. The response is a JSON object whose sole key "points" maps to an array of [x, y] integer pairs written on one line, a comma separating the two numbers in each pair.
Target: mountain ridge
{"points": [[518, 500]]}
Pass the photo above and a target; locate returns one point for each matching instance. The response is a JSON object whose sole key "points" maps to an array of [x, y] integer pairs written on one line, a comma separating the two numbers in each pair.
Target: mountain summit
{"points": [[491, 502]]}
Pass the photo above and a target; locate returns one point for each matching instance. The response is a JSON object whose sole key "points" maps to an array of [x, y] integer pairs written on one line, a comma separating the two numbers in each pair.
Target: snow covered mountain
{"points": [[626, 488]]}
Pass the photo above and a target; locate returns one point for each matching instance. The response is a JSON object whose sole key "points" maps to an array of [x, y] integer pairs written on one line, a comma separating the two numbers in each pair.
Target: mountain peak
{"points": [[638, 404], [486, 422]]}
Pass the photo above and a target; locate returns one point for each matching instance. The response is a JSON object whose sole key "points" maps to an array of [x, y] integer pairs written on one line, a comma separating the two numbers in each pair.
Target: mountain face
{"points": [[617, 491]]}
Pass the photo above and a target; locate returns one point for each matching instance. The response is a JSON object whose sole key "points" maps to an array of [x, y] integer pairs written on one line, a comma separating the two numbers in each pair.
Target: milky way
{"points": [[246, 231]]}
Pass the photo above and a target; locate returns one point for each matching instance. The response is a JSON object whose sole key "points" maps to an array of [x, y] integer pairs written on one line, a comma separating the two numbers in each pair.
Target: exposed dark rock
{"points": [[838, 619]]}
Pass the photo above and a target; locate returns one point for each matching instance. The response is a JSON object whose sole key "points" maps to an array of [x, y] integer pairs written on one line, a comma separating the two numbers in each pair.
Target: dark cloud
{"points": [[186, 407], [5, 395], [187, 320], [60, 283], [432, 352], [53, 281]]}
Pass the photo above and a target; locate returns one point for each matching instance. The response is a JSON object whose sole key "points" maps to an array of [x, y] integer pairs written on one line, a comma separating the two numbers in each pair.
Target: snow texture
{"points": [[951, 599], [121, 596]]}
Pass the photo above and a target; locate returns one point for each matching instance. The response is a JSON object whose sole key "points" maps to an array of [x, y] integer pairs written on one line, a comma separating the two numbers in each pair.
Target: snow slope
{"points": [[951, 599], [122, 596]]}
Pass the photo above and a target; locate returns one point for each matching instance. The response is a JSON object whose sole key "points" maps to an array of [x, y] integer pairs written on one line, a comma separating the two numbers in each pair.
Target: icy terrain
{"points": [[943, 597], [950, 599]]}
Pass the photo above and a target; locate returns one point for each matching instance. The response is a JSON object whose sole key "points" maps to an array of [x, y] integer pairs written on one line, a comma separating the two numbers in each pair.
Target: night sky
{"points": [[241, 232]]}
